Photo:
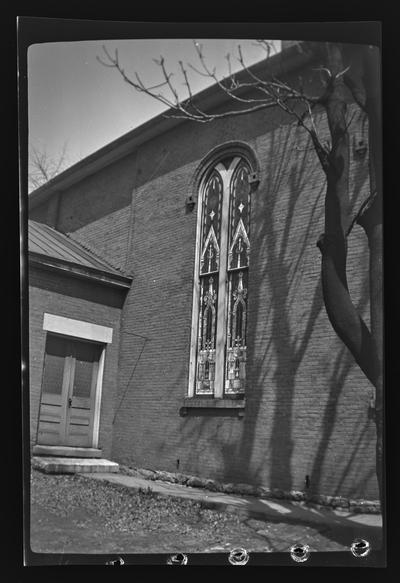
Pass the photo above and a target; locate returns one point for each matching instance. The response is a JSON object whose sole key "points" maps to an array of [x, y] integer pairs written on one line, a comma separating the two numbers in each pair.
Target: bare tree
{"points": [[344, 71], [43, 167]]}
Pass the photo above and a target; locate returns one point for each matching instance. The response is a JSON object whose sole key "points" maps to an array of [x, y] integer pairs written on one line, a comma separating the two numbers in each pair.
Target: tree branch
{"points": [[366, 204], [43, 167], [356, 91]]}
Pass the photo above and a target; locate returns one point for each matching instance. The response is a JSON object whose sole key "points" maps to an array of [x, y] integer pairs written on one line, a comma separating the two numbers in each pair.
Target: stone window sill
{"points": [[211, 403]]}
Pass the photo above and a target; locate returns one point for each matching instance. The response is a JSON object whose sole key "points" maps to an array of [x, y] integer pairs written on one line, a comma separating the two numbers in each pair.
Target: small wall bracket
{"points": [[254, 179], [190, 203], [360, 146]]}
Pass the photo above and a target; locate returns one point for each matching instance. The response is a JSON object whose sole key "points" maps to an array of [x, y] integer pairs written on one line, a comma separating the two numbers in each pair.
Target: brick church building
{"points": [[176, 312]]}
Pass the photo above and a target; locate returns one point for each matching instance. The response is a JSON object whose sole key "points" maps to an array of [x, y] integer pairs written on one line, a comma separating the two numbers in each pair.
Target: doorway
{"points": [[69, 386]]}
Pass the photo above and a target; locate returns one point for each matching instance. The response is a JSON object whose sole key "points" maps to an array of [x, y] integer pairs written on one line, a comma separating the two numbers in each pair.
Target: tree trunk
{"points": [[371, 221], [365, 346], [342, 314]]}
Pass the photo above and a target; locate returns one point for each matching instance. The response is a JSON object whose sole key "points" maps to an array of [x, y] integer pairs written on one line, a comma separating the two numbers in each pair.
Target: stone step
{"points": [[62, 465], [62, 450]]}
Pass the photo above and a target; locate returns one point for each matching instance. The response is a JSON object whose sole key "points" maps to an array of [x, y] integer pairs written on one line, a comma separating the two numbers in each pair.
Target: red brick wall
{"points": [[307, 403], [65, 296]]}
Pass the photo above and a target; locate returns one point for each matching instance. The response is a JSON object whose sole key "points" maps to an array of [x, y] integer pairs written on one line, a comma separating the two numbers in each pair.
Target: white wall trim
{"points": [[77, 328], [195, 301], [97, 402]]}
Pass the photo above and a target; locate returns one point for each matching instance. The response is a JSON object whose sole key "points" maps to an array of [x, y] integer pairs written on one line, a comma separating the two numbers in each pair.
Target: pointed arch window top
{"points": [[209, 262], [239, 250], [212, 207]]}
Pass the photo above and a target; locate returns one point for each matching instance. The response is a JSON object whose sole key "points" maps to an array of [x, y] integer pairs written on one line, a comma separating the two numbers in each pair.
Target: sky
{"points": [[76, 102]]}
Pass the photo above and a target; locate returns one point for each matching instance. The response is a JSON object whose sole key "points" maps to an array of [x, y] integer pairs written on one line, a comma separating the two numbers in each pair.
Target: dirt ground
{"points": [[70, 514]]}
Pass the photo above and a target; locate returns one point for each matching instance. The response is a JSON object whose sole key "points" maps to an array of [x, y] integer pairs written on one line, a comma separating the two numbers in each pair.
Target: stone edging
{"points": [[316, 500]]}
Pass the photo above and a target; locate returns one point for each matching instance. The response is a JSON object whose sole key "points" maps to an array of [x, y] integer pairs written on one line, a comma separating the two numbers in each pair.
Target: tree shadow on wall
{"points": [[285, 303], [345, 463], [281, 247], [281, 324], [280, 235]]}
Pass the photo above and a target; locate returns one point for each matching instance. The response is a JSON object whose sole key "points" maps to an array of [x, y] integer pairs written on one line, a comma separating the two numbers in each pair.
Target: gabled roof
{"points": [[54, 249], [284, 62]]}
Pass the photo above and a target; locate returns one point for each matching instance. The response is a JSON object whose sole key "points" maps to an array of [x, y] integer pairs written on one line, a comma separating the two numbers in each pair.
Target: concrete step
{"points": [[63, 465], [62, 450]]}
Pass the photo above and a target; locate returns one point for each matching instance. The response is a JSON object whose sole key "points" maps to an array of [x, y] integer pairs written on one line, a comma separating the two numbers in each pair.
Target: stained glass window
{"points": [[209, 280], [224, 251], [238, 263]]}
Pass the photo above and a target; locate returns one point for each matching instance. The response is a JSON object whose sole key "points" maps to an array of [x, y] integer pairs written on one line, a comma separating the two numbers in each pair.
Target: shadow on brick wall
{"points": [[286, 325], [294, 191], [281, 242]]}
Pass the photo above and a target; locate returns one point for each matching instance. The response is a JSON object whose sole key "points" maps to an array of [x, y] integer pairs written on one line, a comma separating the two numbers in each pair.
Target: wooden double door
{"points": [[68, 394]]}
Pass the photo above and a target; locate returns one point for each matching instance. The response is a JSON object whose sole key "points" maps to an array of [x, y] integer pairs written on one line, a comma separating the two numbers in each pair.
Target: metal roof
{"points": [[45, 240]]}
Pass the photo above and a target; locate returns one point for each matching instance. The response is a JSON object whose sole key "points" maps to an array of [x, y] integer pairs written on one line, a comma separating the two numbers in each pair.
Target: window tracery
{"points": [[221, 346]]}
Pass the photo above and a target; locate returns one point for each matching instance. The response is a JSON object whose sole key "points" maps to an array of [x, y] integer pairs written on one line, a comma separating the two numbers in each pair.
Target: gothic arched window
{"points": [[218, 360]]}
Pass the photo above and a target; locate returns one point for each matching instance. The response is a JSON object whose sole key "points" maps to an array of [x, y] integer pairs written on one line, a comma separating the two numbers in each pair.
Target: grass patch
{"points": [[121, 508]]}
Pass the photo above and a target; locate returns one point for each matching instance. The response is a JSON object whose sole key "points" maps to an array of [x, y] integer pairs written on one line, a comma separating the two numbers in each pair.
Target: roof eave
{"points": [[80, 271], [286, 62]]}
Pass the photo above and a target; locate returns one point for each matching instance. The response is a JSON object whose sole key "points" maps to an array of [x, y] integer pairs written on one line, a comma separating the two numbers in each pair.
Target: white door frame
{"points": [[84, 331]]}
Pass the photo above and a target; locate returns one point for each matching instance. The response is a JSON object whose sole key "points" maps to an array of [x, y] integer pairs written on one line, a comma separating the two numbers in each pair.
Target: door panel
{"points": [[56, 378], [80, 403], [82, 394], [56, 351], [50, 413], [50, 400]]}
